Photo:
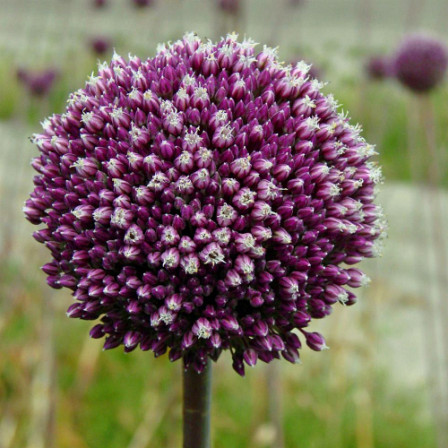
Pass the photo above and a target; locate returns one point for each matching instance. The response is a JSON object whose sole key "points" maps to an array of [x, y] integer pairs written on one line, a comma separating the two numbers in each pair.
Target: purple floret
{"points": [[204, 200]]}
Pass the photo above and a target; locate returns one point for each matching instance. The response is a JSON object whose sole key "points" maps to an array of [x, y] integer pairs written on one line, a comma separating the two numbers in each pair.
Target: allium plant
{"points": [[230, 6], [206, 199], [99, 3], [38, 83], [379, 67], [421, 62], [209, 199], [100, 45], [142, 3]]}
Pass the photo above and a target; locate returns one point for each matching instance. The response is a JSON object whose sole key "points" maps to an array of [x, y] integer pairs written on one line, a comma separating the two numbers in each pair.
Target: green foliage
{"points": [[9, 89], [103, 397]]}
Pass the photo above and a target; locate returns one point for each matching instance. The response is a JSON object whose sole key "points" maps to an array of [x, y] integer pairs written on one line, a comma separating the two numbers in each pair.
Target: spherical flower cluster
{"points": [[142, 3], [99, 3], [230, 6], [207, 199], [38, 83], [100, 45], [420, 63], [379, 67], [137, 3]]}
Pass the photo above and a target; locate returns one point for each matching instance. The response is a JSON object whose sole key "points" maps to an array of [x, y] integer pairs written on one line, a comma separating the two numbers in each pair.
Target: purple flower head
{"points": [[99, 3], [379, 67], [22, 75], [207, 199], [142, 3], [100, 45], [230, 6], [38, 83], [420, 63]]}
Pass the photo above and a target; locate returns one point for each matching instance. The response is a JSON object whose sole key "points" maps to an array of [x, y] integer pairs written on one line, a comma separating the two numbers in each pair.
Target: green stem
{"points": [[429, 311], [434, 179], [196, 407]]}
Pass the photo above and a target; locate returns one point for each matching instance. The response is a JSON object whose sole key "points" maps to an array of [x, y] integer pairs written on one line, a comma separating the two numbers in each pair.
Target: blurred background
{"points": [[384, 381]]}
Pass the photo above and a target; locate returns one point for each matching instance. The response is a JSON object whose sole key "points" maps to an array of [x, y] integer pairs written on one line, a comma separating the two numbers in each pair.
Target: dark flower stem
{"points": [[196, 407]]}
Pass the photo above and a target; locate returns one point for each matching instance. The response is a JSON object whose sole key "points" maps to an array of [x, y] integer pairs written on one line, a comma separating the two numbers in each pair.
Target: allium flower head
{"points": [[421, 62], [379, 67], [230, 6], [99, 3], [142, 3], [100, 45], [38, 83], [206, 199]]}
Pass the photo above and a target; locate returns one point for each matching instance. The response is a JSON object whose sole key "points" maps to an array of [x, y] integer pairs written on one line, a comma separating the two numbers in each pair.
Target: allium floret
{"points": [[207, 199]]}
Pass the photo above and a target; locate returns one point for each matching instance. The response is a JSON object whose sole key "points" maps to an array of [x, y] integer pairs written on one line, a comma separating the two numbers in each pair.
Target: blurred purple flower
{"points": [[379, 67], [230, 6], [100, 45], [420, 62], [22, 75], [99, 3], [206, 199], [38, 83], [142, 3]]}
